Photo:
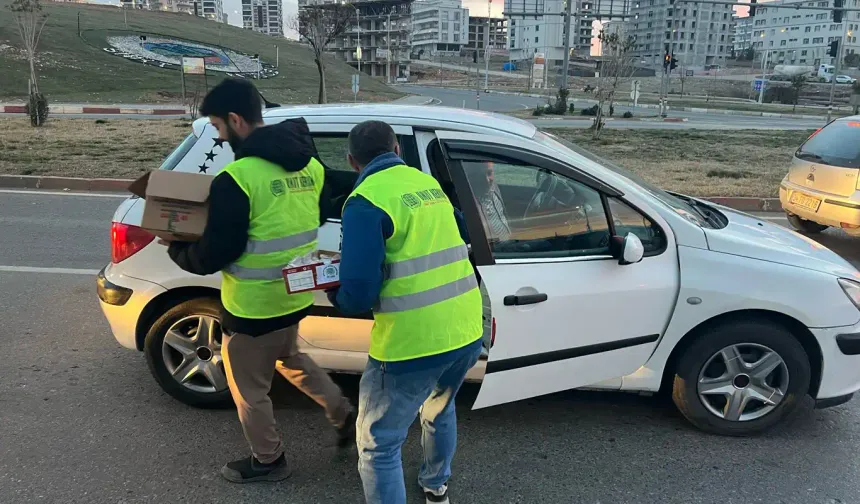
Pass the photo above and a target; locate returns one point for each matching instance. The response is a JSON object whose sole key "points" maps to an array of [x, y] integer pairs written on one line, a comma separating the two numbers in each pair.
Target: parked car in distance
{"points": [[845, 79], [604, 282], [821, 187]]}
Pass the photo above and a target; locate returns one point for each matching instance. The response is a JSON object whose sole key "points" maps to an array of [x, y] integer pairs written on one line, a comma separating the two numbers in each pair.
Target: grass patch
{"points": [[699, 162], [74, 68], [695, 162], [86, 148]]}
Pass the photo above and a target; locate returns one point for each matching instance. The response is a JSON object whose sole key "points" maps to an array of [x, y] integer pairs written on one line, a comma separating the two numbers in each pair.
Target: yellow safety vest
{"points": [[429, 303], [283, 225]]}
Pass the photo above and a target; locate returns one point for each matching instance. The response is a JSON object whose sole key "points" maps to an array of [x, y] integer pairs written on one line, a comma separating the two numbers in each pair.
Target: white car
{"points": [[822, 187], [606, 282], [845, 79]]}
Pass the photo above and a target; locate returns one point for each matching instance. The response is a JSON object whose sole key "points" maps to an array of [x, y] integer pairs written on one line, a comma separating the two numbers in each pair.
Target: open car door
{"points": [[568, 309]]}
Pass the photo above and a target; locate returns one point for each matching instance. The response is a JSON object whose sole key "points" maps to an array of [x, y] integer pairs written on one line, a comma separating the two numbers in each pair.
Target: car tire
{"points": [[805, 226], [698, 361], [164, 362]]}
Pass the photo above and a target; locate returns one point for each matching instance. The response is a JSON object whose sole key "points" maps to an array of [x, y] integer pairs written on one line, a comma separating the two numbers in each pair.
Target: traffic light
{"points": [[673, 63], [752, 7], [475, 56], [834, 49], [667, 60], [837, 10]]}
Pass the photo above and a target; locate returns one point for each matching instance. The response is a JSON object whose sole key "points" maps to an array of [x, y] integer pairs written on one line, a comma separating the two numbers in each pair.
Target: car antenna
{"points": [[267, 103]]}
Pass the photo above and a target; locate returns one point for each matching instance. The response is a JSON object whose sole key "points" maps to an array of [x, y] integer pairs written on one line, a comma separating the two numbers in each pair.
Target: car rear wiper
{"points": [[808, 155]]}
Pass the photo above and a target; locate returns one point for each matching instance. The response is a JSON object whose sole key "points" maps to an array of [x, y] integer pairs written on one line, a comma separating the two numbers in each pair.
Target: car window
{"points": [[333, 149], [838, 144], [176, 156], [531, 212], [628, 220]]}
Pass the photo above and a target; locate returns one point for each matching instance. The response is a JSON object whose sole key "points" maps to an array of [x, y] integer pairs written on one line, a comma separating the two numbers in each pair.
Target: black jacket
{"points": [[288, 144]]}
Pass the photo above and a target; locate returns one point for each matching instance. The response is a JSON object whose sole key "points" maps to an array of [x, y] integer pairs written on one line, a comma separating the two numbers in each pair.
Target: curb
{"points": [[104, 110], [64, 183], [610, 119], [748, 204], [697, 110], [121, 185]]}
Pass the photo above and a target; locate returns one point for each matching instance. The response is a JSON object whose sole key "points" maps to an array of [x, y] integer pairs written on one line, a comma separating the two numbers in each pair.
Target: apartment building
{"points": [[439, 27], [209, 9], [698, 34], [264, 16], [799, 36], [544, 32], [742, 31], [482, 28]]}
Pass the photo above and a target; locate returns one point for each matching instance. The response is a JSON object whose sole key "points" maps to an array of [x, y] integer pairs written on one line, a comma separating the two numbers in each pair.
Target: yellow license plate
{"points": [[804, 201]]}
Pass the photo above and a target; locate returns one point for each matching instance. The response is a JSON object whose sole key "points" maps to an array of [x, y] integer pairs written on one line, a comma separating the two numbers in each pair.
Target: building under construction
{"points": [[383, 32]]}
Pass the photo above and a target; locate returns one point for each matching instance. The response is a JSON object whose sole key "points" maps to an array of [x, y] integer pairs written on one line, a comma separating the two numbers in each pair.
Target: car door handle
{"points": [[525, 299]]}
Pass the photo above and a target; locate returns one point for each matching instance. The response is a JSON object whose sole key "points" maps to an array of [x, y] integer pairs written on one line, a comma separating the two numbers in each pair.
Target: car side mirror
{"points": [[627, 249]]}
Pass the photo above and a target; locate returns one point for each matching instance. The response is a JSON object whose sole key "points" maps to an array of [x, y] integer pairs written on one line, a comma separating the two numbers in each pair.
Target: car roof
{"points": [[411, 115]]}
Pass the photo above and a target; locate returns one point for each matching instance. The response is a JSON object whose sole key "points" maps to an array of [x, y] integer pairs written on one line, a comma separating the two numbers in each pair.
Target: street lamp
{"points": [[358, 40]]}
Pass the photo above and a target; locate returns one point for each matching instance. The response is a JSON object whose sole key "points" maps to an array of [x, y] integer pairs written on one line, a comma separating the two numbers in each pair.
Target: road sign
{"points": [[757, 84], [382, 53], [689, 73], [538, 69], [193, 66], [355, 78], [634, 92]]}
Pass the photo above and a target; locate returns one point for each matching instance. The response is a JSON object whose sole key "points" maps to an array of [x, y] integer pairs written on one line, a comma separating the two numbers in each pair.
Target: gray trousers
{"points": [[250, 363]]}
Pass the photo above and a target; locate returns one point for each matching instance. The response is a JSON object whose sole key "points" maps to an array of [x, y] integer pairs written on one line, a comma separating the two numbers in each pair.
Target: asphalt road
{"points": [[82, 421], [462, 98]]}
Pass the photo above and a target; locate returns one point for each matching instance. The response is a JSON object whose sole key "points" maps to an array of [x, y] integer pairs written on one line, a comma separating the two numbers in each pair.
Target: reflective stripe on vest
{"points": [[245, 273], [280, 244], [426, 263], [429, 297]]}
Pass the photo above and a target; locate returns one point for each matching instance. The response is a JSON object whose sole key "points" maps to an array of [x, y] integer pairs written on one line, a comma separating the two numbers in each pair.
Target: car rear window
{"points": [[838, 144], [176, 156]]}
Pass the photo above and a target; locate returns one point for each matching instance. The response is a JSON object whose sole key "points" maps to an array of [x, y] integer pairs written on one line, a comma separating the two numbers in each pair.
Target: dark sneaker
{"points": [[346, 432], [439, 496], [249, 470]]}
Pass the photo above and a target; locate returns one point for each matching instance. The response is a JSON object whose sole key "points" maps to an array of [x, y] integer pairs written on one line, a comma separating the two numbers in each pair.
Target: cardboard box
{"points": [[177, 203], [319, 275]]}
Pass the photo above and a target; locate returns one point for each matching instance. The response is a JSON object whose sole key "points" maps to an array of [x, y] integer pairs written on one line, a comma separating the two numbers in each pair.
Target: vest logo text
{"points": [[424, 197]]}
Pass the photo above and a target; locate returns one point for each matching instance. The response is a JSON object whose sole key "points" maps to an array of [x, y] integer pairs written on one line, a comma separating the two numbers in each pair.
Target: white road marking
{"points": [[63, 193], [62, 271], [774, 218]]}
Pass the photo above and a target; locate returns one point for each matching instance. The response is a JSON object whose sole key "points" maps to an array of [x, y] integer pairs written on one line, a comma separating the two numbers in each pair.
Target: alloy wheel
{"points": [[192, 354], [743, 382]]}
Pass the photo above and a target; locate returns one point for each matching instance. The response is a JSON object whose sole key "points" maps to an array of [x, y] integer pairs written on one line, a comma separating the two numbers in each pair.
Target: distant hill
{"points": [[75, 68]]}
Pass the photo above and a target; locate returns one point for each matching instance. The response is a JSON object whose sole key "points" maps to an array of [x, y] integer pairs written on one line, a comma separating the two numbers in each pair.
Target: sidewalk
{"points": [[147, 109], [90, 108]]}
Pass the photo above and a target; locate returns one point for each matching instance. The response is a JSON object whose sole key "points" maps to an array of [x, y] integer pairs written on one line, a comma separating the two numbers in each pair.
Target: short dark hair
{"points": [[234, 95], [371, 139]]}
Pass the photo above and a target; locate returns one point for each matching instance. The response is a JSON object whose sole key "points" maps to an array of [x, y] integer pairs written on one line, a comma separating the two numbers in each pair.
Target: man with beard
{"points": [[264, 211]]}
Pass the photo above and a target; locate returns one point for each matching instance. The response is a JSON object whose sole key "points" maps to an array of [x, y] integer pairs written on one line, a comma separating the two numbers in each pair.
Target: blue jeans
{"points": [[391, 395]]}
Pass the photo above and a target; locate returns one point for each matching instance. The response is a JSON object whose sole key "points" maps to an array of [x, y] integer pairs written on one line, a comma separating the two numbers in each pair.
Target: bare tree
{"points": [[798, 82], [31, 21], [616, 64], [319, 26]]}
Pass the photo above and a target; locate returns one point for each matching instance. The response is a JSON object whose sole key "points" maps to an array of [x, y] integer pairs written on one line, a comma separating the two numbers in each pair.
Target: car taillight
{"points": [[126, 240]]}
